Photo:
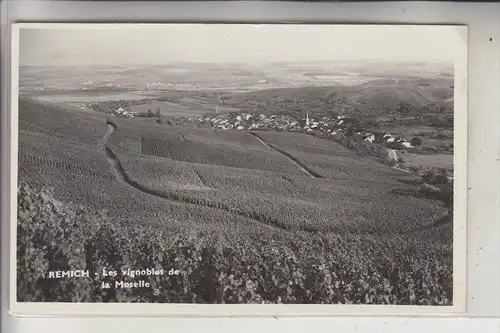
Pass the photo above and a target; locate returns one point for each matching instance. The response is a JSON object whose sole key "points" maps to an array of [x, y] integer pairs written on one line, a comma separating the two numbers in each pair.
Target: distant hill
{"points": [[379, 93], [227, 76]]}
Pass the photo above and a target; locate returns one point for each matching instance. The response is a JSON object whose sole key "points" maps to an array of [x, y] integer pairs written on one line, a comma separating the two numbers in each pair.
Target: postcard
{"points": [[238, 169]]}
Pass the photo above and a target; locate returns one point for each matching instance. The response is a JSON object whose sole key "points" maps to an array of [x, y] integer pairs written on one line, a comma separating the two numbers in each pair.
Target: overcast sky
{"points": [[148, 45]]}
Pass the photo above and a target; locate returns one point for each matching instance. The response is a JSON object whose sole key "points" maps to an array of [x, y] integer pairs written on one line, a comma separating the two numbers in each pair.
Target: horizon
{"points": [[368, 61], [63, 45]]}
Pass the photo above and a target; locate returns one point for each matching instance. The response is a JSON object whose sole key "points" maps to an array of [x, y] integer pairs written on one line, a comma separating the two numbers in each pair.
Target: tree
{"points": [[433, 178], [442, 179], [416, 141], [350, 130], [429, 177]]}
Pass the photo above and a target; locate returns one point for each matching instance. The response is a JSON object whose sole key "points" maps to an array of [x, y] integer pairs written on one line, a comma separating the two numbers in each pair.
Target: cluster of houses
{"points": [[383, 137], [246, 121], [326, 126], [121, 112], [396, 141]]}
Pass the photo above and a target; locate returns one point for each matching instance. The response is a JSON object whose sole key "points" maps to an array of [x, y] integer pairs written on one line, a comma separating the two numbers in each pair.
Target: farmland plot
{"points": [[248, 265], [70, 125], [329, 159], [220, 136], [90, 181], [288, 202], [356, 244], [166, 142], [305, 143]]}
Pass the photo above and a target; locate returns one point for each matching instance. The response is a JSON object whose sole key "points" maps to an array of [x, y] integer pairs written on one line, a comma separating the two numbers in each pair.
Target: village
{"points": [[330, 126]]}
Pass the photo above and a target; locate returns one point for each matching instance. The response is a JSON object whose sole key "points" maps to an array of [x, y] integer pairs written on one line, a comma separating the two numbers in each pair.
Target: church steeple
{"points": [[307, 118]]}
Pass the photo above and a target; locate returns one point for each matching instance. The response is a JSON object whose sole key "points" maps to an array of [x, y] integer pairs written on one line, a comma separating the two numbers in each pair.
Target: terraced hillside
{"points": [[241, 220]]}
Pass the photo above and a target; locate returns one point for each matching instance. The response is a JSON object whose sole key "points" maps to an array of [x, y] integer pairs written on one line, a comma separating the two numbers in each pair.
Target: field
{"points": [[284, 218], [203, 76], [82, 96], [329, 159], [183, 107], [431, 161]]}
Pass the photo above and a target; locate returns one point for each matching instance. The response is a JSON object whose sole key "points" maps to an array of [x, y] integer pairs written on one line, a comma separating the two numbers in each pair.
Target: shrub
{"points": [[429, 177], [426, 188], [441, 179], [360, 148], [220, 266], [416, 142], [414, 168]]}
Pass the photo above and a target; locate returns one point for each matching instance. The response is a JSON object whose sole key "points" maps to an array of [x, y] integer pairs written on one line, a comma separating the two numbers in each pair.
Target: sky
{"points": [[84, 45]]}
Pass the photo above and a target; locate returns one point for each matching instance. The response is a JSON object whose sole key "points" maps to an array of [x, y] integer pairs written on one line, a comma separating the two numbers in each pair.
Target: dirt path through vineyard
{"points": [[304, 168], [122, 176]]}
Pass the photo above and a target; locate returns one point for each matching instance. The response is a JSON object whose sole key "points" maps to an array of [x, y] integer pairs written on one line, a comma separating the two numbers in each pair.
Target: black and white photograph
{"points": [[240, 164]]}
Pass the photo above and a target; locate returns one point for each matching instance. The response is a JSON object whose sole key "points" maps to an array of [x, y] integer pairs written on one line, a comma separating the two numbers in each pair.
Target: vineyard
{"points": [[330, 159], [289, 202], [67, 125], [240, 221], [217, 265], [171, 143]]}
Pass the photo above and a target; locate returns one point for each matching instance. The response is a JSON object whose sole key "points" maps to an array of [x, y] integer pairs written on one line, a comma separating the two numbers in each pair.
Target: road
{"points": [[122, 176], [392, 154], [105, 139], [217, 106], [295, 161]]}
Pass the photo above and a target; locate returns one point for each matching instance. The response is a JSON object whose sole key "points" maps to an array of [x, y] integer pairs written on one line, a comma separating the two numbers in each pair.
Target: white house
{"points": [[370, 138]]}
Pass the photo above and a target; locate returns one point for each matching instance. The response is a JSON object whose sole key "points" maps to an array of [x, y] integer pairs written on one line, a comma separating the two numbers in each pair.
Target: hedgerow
{"points": [[256, 265]]}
